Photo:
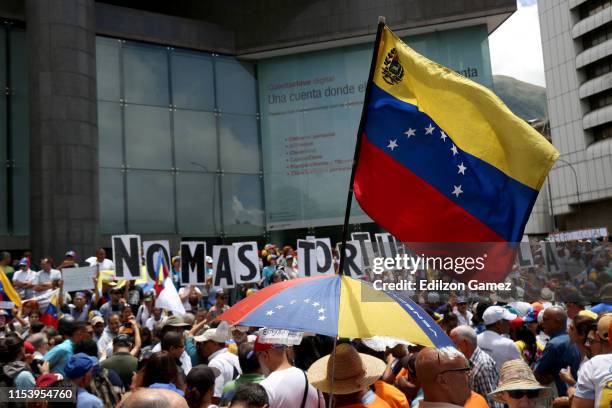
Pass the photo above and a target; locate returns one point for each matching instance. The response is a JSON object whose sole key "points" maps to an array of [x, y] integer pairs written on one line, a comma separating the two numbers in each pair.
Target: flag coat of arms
{"points": [[441, 158]]}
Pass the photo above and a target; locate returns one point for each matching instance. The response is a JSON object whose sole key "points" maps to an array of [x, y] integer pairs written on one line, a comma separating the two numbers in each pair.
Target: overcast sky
{"points": [[516, 48]]}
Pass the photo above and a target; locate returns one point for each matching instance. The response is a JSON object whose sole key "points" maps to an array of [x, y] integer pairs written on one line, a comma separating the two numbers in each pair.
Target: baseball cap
{"points": [[71, 253], [461, 300], [433, 297], [603, 325], [29, 348], [176, 321], [216, 335], [209, 259], [531, 316], [148, 296], [47, 380], [493, 314], [78, 365], [97, 319], [24, 262], [123, 340], [259, 346]]}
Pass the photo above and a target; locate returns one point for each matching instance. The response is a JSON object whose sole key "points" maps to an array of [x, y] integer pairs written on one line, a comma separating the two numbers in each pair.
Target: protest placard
{"points": [[78, 278]]}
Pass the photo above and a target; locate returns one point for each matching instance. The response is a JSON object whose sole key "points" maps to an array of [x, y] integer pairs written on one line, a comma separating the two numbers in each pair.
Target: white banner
{"points": [[592, 233], [223, 256], [78, 278], [127, 256], [246, 262]]}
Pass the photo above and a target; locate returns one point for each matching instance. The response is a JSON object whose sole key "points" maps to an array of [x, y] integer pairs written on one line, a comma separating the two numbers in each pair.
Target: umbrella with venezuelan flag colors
{"points": [[337, 306]]}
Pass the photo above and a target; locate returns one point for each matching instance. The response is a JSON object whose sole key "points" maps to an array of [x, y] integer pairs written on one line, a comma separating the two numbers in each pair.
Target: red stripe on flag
{"points": [[414, 211]]}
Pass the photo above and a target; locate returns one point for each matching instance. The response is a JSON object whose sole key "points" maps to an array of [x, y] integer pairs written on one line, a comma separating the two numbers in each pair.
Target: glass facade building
{"points": [[14, 146], [179, 141]]}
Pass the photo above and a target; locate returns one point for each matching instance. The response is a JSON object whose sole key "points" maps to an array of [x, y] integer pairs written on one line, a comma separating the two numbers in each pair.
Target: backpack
{"points": [[101, 387]]}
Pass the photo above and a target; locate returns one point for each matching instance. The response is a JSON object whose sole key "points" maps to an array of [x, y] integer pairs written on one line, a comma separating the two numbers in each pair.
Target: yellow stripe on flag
{"points": [[476, 120], [8, 288]]}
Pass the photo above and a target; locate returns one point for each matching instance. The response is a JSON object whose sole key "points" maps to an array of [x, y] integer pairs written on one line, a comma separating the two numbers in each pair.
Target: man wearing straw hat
{"points": [[518, 387], [347, 377]]}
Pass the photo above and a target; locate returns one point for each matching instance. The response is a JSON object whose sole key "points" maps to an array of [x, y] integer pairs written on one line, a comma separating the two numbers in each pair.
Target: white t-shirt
{"points": [[183, 291], [463, 320], [500, 349], [595, 381], [285, 388], [151, 322], [225, 362], [24, 276], [105, 265], [46, 277]]}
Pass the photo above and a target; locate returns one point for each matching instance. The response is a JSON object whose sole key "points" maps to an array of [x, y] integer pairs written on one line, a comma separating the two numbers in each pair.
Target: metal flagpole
{"points": [[366, 100], [349, 199]]}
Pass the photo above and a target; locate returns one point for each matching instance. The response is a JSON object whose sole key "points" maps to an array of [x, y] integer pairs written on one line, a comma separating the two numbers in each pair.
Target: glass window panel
{"points": [[20, 141], [192, 80], [242, 205], [236, 84], [107, 67], [20, 197], [3, 172], [195, 140], [240, 150], [198, 203], [3, 153], [150, 198], [147, 137], [109, 132], [112, 201], [145, 74]]}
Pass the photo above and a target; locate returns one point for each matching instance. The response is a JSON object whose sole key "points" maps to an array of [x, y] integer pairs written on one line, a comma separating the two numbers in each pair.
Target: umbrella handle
{"points": [[331, 389]]}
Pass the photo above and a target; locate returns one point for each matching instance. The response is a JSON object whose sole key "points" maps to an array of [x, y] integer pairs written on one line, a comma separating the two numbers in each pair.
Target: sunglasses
{"points": [[518, 394]]}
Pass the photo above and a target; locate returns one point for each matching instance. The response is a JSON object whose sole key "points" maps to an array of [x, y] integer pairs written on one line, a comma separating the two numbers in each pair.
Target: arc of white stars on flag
{"points": [[457, 190], [392, 144], [429, 130], [462, 169], [410, 132]]}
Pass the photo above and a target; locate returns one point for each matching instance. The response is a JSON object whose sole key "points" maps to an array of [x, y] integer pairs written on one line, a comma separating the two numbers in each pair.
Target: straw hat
{"points": [[516, 375], [353, 371]]}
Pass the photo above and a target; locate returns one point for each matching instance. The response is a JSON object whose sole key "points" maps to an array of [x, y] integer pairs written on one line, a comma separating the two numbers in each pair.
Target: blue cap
{"points": [[170, 387], [24, 262], [78, 365], [531, 316]]}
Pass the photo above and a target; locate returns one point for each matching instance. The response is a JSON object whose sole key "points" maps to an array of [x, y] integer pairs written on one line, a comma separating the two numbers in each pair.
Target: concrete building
{"points": [[577, 47], [125, 116]]}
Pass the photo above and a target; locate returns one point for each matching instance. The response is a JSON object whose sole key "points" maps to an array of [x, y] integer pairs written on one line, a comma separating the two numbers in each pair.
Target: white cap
{"points": [[494, 314], [209, 259], [219, 335]]}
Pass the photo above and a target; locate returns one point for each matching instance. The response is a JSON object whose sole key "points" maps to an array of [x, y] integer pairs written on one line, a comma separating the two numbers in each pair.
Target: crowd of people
{"points": [[114, 347]]}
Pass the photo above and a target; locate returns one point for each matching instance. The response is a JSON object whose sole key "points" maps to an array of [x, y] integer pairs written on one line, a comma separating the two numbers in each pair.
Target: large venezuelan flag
{"points": [[442, 159], [7, 289]]}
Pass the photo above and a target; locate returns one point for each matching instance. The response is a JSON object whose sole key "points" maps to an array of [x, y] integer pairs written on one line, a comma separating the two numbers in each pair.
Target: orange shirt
{"points": [[402, 373], [377, 403], [476, 401], [391, 395]]}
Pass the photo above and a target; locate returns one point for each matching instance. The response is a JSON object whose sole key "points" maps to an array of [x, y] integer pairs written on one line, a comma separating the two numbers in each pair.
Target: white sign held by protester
{"points": [[78, 278], [280, 336], [193, 267], [151, 250], [353, 261], [246, 262], [127, 256], [224, 256]]}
